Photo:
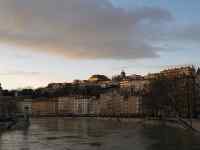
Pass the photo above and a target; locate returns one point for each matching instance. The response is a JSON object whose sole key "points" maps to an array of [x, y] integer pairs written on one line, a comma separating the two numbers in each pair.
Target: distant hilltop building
{"points": [[186, 71], [151, 76], [124, 77], [120, 77], [123, 74], [98, 78], [58, 85], [182, 71]]}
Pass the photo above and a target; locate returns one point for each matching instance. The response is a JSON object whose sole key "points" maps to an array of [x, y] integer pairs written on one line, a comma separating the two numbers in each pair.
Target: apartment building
{"points": [[45, 106], [115, 102], [65, 105], [77, 104]]}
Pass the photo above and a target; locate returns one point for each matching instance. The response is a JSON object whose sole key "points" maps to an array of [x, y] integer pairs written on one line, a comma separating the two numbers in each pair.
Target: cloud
{"points": [[81, 29], [188, 33], [183, 37], [18, 72]]}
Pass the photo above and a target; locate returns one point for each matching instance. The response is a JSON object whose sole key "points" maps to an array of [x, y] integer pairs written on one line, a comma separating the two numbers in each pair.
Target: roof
{"points": [[98, 77]]}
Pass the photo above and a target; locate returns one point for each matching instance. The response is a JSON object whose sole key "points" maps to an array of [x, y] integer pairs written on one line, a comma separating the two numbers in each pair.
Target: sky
{"points": [[43, 41]]}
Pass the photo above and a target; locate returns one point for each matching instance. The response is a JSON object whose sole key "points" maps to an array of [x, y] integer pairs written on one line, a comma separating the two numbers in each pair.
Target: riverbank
{"points": [[177, 123], [88, 115]]}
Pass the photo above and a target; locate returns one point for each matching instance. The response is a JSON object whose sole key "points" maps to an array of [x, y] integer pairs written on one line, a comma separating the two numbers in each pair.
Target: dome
{"points": [[98, 77]]}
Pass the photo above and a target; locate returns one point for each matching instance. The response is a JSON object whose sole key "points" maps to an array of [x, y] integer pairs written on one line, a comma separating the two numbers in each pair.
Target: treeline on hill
{"points": [[91, 90], [170, 97]]}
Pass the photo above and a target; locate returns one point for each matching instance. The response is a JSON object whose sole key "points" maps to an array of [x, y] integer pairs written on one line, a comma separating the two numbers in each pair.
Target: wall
{"points": [[45, 107]]}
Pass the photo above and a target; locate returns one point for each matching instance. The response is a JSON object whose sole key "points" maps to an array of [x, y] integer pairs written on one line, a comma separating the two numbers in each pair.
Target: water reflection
{"points": [[97, 134], [168, 138]]}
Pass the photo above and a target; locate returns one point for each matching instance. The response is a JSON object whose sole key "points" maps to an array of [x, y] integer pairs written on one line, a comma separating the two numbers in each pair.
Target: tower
{"points": [[123, 74]]}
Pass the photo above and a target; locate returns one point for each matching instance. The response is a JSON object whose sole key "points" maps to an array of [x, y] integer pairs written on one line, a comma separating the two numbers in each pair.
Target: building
{"points": [[58, 85], [179, 72], [133, 88], [45, 107], [115, 102], [152, 76], [81, 104], [98, 78], [109, 103], [77, 105], [197, 80], [182, 80], [65, 105], [134, 105], [93, 108], [136, 84], [24, 105], [116, 79]]}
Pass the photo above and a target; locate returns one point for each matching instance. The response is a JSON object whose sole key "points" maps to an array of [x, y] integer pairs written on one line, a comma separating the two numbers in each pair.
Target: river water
{"points": [[97, 134]]}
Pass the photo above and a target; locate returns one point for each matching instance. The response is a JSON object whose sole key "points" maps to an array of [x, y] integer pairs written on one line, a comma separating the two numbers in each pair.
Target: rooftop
{"points": [[97, 78]]}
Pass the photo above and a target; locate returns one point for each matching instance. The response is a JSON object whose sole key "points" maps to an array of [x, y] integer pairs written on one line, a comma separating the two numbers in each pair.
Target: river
{"points": [[97, 134]]}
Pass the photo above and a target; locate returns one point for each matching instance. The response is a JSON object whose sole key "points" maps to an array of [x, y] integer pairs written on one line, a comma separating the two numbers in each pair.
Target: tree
{"points": [[170, 96], [156, 101]]}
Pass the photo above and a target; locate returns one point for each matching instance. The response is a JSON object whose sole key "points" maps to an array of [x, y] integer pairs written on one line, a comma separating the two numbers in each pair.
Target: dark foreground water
{"points": [[97, 134]]}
